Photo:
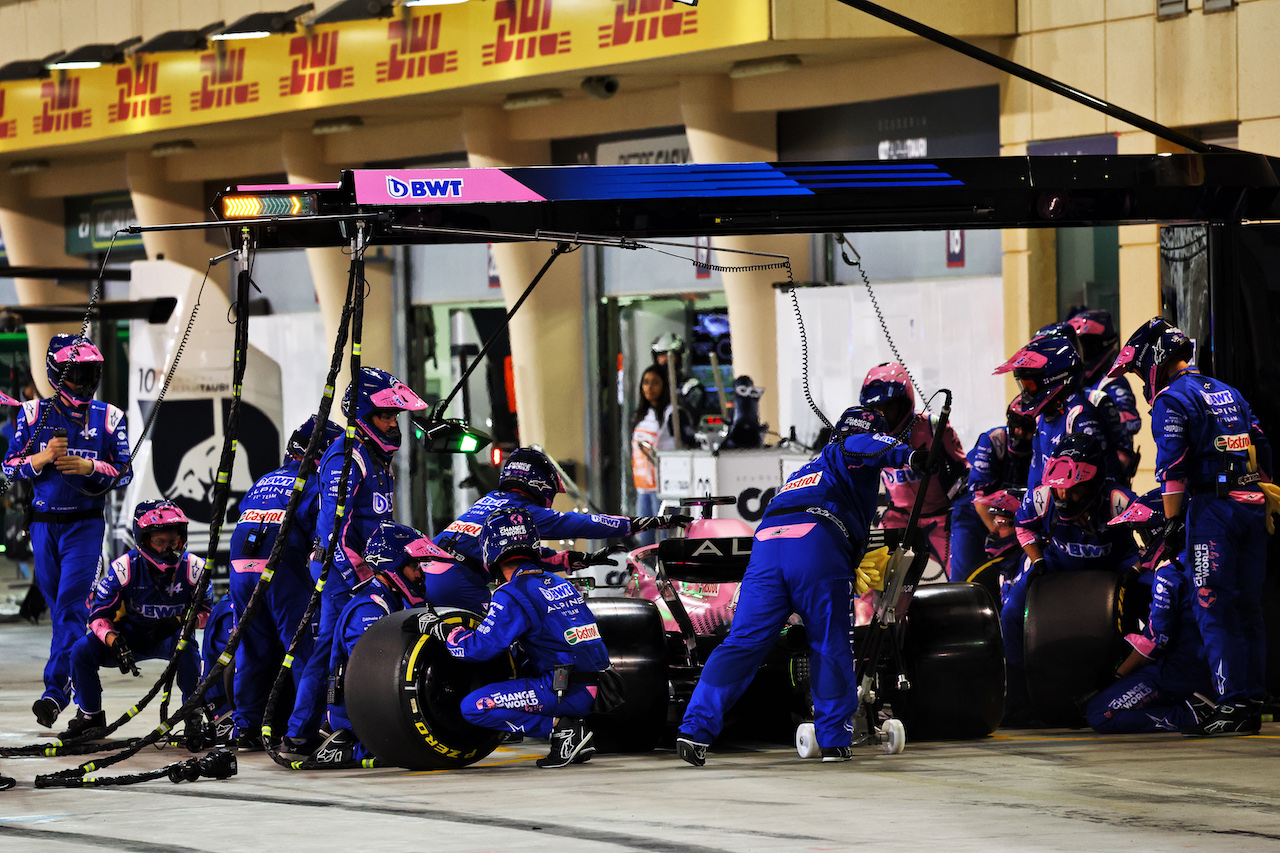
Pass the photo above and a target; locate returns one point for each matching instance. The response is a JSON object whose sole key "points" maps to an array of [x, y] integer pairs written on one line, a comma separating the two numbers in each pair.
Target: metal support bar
{"points": [[1034, 77]]}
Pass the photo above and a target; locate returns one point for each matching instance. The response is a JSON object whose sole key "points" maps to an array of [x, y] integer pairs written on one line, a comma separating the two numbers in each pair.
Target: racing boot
{"points": [[691, 751], [46, 711], [1224, 721], [83, 722], [837, 753], [338, 749], [1255, 716], [570, 744]]}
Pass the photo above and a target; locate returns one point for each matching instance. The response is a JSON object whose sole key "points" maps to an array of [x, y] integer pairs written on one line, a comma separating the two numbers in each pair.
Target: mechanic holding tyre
{"points": [[1063, 525], [806, 547], [74, 449], [396, 554], [285, 602], [372, 402], [549, 618], [1211, 458]]}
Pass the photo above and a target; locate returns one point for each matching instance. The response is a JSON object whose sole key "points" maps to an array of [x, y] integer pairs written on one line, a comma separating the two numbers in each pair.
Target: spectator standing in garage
{"points": [[802, 560], [1211, 457], [652, 429]]}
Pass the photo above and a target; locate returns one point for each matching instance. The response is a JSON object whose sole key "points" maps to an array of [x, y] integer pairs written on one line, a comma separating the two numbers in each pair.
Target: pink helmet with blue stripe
{"points": [[73, 360], [1078, 460], [151, 517], [379, 392], [888, 388]]}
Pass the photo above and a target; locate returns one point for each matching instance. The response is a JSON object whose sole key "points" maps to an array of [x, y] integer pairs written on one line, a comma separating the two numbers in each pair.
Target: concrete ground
{"points": [[1018, 790]]}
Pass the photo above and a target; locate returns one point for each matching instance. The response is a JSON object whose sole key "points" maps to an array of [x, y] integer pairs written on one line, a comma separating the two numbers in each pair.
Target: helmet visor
{"points": [[82, 374]]}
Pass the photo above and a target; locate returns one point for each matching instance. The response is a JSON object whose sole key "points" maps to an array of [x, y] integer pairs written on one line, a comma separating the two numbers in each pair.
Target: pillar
{"points": [[330, 267], [718, 135], [157, 201], [546, 333]]}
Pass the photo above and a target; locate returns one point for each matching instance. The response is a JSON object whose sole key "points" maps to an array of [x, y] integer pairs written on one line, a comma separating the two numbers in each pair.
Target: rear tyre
{"points": [[954, 659], [1073, 641], [632, 630], [404, 694]]}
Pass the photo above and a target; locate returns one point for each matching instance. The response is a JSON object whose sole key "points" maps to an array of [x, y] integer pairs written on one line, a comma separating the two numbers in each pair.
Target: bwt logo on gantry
{"points": [[438, 188]]}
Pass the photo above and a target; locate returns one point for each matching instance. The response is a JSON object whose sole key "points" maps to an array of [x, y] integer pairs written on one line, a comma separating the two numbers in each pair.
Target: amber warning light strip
{"points": [[252, 206]]}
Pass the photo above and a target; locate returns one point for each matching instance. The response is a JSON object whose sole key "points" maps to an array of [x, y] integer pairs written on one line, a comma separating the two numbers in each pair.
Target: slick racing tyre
{"points": [[954, 661], [1073, 641], [632, 630], [404, 693]]}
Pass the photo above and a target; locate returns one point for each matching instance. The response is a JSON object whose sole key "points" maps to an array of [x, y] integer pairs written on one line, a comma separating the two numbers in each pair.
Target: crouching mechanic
{"points": [[136, 611], [1063, 525], [548, 617], [1211, 458], [1160, 686], [395, 553], [811, 538]]}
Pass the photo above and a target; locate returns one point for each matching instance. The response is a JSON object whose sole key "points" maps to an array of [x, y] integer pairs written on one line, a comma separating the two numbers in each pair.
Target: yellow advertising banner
{"points": [[421, 49]]}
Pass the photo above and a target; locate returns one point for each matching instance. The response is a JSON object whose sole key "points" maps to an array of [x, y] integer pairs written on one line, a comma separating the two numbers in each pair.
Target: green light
{"points": [[468, 444]]}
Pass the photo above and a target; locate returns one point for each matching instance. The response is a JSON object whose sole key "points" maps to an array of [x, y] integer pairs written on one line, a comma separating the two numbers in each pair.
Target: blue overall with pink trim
{"points": [[802, 561]]}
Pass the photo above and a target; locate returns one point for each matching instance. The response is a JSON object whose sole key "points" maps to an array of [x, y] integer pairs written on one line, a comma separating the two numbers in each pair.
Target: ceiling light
{"points": [[28, 167], [91, 56], [768, 65], [259, 25], [168, 149], [179, 40], [336, 125], [24, 69], [355, 10], [686, 2], [536, 98], [433, 2]]}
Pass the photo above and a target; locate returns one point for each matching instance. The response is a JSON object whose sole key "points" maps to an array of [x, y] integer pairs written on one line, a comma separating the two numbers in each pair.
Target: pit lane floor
{"points": [[1019, 790]]}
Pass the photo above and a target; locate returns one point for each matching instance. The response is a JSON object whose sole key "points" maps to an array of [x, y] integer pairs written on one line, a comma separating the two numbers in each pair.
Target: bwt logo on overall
{"points": [[436, 188]]}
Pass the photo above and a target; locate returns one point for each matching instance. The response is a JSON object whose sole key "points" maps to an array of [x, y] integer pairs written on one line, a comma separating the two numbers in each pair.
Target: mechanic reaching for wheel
{"points": [[888, 389], [372, 402], [1063, 526], [998, 461], [1160, 686], [808, 543], [136, 611], [548, 617], [80, 453], [1048, 371], [264, 640], [396, 555], [530, 482], [1211, 458]]}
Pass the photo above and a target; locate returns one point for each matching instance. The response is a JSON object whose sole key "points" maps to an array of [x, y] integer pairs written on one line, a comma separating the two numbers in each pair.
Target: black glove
{"points": [[422, 625], [918, 461], [124, 656], [602, 556], [659, 522], [163, 629], [1174, 534], [1038, 568]]}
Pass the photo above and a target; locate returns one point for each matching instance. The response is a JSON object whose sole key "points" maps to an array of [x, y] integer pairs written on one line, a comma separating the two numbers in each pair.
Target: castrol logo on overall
{"points": [[803, 482], [261, 516], [464, 527], [581, 634], [1232, 442]]}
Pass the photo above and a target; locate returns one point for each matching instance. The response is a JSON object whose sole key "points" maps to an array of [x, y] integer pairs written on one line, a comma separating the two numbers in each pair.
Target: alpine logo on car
{"points": [[437, 188], [803, 482], [1231, 442], [581, 634], [738, 546]]}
